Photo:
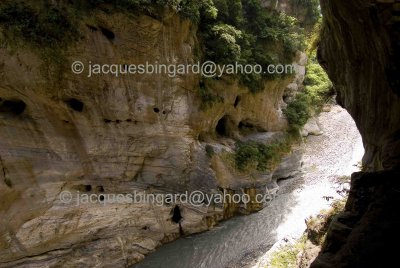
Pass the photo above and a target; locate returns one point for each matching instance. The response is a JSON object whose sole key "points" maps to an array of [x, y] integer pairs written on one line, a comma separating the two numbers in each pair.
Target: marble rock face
{"points": [[114, 135]]}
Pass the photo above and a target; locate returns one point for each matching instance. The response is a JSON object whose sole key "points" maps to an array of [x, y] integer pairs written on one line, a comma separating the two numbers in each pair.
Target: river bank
{"points": [[247, 241]]}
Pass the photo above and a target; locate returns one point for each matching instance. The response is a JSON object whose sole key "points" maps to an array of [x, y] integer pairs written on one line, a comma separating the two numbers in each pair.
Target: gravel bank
{"points": [[335, 153]]}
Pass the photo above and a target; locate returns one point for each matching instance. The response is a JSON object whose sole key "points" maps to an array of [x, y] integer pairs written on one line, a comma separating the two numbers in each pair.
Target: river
{"points": [[243, 241]]}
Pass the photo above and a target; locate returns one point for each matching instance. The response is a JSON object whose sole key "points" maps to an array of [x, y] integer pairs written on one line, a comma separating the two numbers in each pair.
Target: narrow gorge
{"points": [[98, 109]]}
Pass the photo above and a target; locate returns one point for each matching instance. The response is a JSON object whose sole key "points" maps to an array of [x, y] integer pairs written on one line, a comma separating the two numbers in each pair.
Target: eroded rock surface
{"points": [[116, 135]]}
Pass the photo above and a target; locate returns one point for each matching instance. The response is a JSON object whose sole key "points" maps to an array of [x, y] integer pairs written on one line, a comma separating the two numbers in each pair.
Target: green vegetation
{"points": [[314, 37], [298, 111], [245, 32], [48, 24], [318, 226], [253, 155], [187, 8], [286, 255], [318, 89], [224, 43], [230, 31], [48, 27], [317, 84]]}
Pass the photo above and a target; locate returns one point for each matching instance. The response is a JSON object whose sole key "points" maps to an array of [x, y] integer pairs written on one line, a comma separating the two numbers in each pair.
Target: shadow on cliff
{"points": [[360, 62]]}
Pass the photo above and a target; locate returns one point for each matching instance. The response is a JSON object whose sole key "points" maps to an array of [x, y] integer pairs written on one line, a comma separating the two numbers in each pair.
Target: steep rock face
{"points": [[115, 135], [360, 50]]}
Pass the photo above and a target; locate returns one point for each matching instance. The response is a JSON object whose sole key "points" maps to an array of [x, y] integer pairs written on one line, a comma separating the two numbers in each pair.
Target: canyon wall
{"points": [[115, 135], [359, 48]]}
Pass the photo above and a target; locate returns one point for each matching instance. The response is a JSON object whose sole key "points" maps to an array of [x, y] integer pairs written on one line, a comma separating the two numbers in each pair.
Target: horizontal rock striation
{"points": [[115, 135]]}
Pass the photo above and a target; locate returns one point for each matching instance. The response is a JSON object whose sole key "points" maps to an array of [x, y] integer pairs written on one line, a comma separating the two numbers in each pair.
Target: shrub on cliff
{"points": [[298, 111], [42, 27], [317, 227], [317, 84], [224, 41], [247, 33], [318, 91], [230, 31], [253, 155], [190, 9]]}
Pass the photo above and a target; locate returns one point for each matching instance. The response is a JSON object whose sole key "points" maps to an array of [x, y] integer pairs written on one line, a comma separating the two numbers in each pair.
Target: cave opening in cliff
{"points": [[107, 33], [224, 126], [84, 188], [14, 107], [176, 214], [75, 104], [237, 101]]}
